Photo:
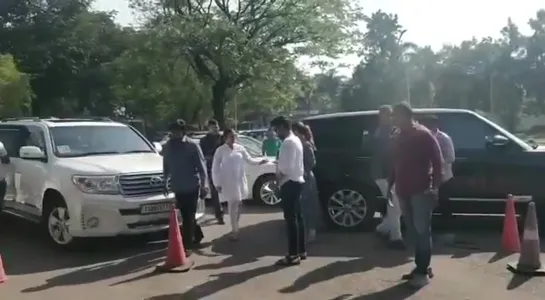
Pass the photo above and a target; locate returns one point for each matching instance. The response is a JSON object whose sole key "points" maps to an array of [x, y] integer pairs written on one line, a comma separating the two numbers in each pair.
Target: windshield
{"points": [[76, 141], [252, 145]]}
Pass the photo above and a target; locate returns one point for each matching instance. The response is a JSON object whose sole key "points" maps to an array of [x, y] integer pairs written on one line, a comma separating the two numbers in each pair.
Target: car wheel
{"points": [[350, 209], [265, 190], [55, 221]]}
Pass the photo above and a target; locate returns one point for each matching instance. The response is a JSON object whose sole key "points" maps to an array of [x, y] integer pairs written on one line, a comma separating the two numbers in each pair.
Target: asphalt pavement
{"points": [[341, 266]]}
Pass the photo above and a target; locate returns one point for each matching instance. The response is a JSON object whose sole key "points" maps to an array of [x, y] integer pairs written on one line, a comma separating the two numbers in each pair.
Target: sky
{"points": [[428, 22]]}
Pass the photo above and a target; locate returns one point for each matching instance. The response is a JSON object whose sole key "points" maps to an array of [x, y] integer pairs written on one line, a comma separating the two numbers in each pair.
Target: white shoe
{"points": [[419, 281]]}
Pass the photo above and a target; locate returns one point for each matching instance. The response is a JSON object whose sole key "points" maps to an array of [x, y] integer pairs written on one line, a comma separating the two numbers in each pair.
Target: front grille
{"points": [[142, 184]]}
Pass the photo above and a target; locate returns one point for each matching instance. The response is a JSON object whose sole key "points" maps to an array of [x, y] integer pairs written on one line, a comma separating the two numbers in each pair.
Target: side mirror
{"points": [[158, 146], [497, 141], [31, 152]]}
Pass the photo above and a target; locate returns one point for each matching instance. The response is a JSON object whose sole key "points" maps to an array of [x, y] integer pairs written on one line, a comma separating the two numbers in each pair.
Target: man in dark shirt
{"points": [[209, 143], [415, 150], [183, 163]]}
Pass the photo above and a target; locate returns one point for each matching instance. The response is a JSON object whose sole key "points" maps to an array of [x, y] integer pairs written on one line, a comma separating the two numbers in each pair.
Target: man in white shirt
{"points": [[4, 169], [290, 175], [447, 150]]}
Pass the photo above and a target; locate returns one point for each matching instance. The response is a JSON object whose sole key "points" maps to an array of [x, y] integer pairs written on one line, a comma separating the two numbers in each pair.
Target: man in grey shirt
{"points": [[184, 164], [390, 226]]}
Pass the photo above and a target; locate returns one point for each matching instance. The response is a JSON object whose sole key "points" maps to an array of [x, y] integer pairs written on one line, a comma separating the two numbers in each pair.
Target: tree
{"points": [[15, 93], [64, 50], [229, 43], [381, 76], [151, 82]]}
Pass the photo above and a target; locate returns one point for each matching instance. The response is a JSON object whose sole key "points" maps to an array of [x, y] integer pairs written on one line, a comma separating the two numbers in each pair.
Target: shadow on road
{"points": [[221, 282], [342, 268], [399, 291], [25, 252]]}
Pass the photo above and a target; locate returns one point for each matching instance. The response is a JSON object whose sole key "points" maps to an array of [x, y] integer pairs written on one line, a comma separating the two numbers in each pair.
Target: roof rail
{"points": [[36, 119]]}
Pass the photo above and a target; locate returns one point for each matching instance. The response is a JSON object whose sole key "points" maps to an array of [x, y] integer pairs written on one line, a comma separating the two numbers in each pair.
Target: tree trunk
{"points": [[219, 91]]}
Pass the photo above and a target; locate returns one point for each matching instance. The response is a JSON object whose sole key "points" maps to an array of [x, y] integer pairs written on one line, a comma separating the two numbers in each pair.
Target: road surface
{"points": [[341, 266]]}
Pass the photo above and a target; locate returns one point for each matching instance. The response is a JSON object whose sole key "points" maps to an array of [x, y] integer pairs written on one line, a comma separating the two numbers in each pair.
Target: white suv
{"points": [[85, 178]]}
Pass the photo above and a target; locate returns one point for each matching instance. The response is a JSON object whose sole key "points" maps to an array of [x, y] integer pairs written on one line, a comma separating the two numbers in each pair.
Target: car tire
{"points": [[54, 224], [348, 208], [261, 195]]}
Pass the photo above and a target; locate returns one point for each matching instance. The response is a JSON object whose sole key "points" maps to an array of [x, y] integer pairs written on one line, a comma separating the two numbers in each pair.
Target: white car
{"points": [[83, 178], [261, 178]]}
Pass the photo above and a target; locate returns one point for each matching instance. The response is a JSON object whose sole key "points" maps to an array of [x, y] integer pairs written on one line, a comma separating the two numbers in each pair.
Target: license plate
{"points": [[155, 208]]}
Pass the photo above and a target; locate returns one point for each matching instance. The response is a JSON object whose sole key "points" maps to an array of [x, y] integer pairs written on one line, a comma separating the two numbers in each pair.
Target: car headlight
{"points": [[96, 184]]}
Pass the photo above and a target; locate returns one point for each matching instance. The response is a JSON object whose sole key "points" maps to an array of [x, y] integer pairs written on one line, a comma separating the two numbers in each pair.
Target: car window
{"points": [[342, 133], [36, 137], [466, 130], [12, 140]]}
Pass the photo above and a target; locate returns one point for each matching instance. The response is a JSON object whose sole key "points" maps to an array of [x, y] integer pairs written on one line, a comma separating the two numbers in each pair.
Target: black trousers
{"points": [[3, 187], [444, 198], [218, 210], [293, 215], [191, 231]]}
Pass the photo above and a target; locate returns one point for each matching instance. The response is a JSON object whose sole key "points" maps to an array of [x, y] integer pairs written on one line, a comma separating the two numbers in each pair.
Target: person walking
{"points": [[184, 164], [309, 202], [449, 156], [290, 176], [230, 177], [209, 143], [271, 144], [4, 171], [390, 227], [416, 189]]}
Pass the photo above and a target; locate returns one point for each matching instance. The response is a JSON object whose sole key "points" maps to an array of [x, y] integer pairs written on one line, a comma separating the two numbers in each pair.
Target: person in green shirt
{"points": [[271, 144]]}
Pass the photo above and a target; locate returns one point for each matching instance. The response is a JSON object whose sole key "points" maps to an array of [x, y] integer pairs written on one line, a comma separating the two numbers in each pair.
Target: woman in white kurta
{"points": [[229, 176]]}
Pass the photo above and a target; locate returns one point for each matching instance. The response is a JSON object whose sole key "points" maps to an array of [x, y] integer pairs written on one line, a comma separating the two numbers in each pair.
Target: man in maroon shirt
{"points": [[417, 174]]}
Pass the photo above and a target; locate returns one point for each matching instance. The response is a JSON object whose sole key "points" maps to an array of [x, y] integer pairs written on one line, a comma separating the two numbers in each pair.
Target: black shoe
{"points": [[197, 242], [288, 261], [303, 256], [221, 221], [411, 275]]}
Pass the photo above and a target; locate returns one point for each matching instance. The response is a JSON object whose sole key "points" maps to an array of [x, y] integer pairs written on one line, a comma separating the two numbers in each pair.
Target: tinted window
{"points": [[342, 133], [467, 131], [11, 138]]}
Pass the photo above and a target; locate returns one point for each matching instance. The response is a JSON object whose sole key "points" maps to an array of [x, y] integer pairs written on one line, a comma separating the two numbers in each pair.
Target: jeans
{"points": [[417, 211], [312, 209], [293, 215], [191, 231]]}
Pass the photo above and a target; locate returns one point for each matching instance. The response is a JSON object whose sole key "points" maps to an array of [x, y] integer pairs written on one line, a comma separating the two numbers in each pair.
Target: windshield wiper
{"points": [[94, 153], [138, 151]]}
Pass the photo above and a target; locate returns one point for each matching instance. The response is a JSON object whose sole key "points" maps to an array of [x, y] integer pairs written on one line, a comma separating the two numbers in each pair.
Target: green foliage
{"points": [[15, 92], [230, 43]]}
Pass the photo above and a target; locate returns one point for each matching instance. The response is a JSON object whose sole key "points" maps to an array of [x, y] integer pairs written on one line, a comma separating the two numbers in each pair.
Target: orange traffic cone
{"points": [[529, 261], [510, 240], [3, 276], [176, 260]]}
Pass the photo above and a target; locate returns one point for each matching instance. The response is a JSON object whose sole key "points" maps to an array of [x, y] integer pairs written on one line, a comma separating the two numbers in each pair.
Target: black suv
{"points": [[490, 164]]}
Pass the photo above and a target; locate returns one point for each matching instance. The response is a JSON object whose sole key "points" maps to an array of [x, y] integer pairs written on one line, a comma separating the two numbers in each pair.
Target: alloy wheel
{"points": [[347, 208]]}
